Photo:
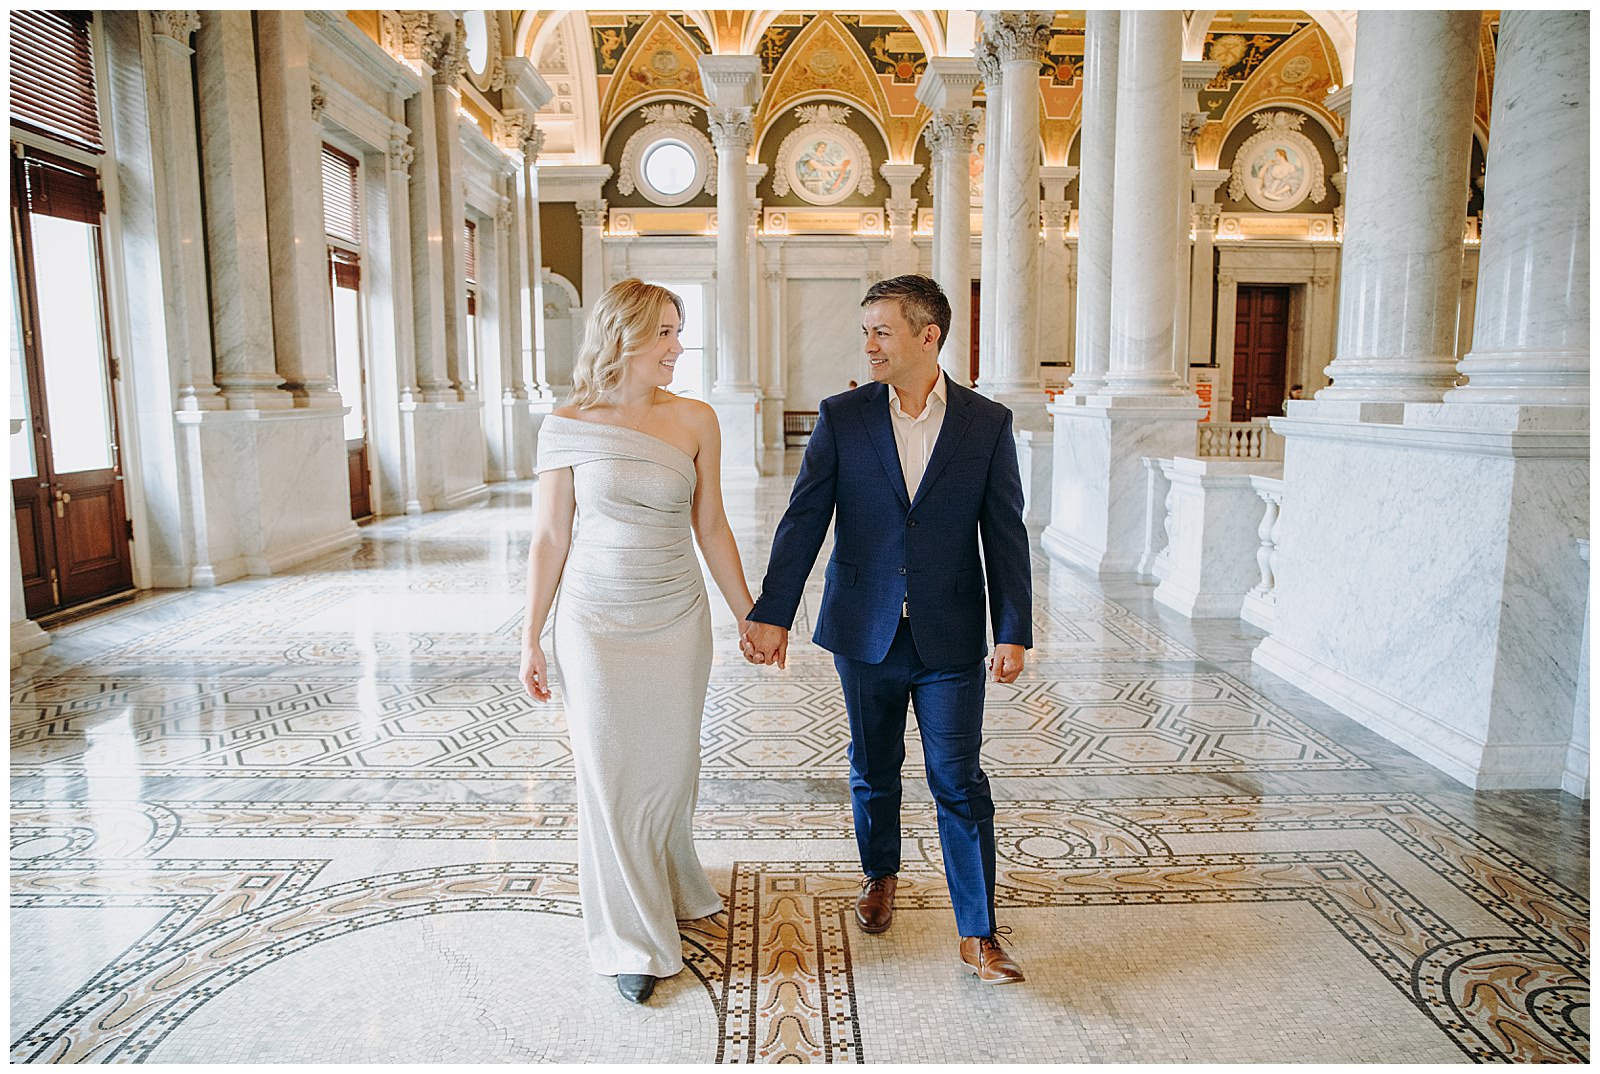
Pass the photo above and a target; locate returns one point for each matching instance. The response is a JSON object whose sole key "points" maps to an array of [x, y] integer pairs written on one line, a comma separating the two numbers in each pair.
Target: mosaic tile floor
{"points": [[313, 819]]}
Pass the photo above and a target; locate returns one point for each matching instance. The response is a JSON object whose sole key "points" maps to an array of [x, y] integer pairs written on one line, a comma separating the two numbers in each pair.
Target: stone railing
{"points": [[1261, 603], [1238, 440]]}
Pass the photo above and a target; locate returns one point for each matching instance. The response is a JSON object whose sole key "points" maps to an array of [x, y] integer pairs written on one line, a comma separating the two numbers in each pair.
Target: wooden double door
{"points": [[66, 475], [1260, 351]]}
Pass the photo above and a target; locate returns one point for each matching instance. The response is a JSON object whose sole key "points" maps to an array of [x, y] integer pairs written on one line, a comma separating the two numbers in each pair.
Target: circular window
{"points": [[670, 168], [477, 42]]}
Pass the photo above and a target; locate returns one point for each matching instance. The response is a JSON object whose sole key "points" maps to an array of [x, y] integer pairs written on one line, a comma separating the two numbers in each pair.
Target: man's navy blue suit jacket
{"points": [[888, 548]]}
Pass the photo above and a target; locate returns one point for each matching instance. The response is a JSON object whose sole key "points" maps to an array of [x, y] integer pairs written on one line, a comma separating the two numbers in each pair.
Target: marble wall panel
{"points": [[824, 340], [1436, 599]]}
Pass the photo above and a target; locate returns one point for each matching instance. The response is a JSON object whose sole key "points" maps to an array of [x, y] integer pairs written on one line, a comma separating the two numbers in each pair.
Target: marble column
{"points": [[1019, 39], [900, 210], [529, 139], [448, 62], [1099, 484], [731, 130], [946, 89], [170, 85], [236, 213], [1459, 533], [949, 137], [988, 61], [733, 86], [1400, 272], [403, 375], [1149, 175], [1096, 169], [592, 225], [301, 327], [1531, 330], [1054, 340], [427, 252]]}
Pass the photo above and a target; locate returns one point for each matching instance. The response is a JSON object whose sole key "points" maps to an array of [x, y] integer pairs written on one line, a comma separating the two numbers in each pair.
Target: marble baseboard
{"points": [[1185, 599], [1068, 548], [1575, 781], [1259, 611], [1478, 765]]}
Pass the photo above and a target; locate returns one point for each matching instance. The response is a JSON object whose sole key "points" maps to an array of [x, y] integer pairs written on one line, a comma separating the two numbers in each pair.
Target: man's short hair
{"points": [[922, 302]]}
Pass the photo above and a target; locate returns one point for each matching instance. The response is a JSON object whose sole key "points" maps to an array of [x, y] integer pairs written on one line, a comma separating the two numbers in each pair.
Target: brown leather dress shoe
{"points": [[875, 904], [984, 956]]}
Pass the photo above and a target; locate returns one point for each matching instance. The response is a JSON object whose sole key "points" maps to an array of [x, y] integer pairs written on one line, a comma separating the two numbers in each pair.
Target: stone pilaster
{"points": [[1204, 215], [293, 169], [236, 213], [172, 129]]}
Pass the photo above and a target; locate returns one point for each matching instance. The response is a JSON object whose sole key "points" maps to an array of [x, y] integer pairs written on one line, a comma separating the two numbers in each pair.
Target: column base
{"points": [[26, 636], [739, 415]]}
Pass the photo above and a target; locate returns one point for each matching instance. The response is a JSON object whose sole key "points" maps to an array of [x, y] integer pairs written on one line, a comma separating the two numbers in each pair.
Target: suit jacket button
{"points": [[911, 522], [902, 570]]}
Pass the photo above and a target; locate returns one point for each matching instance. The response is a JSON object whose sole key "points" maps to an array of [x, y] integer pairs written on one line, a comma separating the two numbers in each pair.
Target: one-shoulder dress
{"points": [[632, 650]]}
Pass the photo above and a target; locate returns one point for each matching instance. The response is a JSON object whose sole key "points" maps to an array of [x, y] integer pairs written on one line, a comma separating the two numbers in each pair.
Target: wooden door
{"points": [[72, 526], [977, 306], [1260, 351]]}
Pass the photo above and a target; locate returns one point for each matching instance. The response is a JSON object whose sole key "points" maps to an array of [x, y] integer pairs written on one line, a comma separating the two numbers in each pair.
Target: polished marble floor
{"points": [[312, 818]]}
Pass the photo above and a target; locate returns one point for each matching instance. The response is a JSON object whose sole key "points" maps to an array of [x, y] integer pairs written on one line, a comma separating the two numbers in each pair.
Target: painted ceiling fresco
{"points": [[874, 60]]}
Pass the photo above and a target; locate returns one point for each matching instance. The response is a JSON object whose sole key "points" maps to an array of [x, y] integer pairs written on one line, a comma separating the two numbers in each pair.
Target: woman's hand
{"points": [[535, 676]]}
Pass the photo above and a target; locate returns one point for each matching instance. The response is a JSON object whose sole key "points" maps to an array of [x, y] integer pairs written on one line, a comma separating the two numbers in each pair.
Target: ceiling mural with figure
{"points": [[873, 61]]}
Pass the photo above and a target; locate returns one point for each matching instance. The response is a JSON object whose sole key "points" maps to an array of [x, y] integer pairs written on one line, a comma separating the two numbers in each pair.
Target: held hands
{"points": [[535, 676], [1005, 664], [763, 643]]}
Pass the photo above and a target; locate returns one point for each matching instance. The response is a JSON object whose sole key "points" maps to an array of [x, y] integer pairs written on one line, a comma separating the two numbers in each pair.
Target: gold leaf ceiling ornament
{"points": [[661, 60], [1301, 72], [823, 61]]}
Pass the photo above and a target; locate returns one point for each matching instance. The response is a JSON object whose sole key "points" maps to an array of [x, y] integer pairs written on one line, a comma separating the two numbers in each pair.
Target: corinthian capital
{"points": [[178, 25], [592, 213], [1017, 35], [731, 128], [988, 61], [952, 131]]}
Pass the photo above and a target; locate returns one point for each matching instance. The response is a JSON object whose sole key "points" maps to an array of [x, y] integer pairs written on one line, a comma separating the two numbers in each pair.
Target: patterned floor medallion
{"points": [[313, 819]]}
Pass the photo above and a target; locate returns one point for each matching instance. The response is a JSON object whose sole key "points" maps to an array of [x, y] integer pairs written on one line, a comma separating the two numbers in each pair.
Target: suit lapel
{"points": [[957, 416], [875, 414]]}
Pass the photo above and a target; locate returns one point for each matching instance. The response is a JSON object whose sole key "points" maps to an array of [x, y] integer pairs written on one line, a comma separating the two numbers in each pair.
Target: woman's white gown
{"points": [[632, 649]]}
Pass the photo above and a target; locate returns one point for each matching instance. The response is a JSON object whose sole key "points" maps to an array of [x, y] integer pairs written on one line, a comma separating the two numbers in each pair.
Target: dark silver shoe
{"points": [[635, 987]]}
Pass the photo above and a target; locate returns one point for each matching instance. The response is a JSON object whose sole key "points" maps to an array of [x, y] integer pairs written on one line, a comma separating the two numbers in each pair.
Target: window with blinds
{"points": [[341, 195], [52, 76], [472, 252], [61, 189]]}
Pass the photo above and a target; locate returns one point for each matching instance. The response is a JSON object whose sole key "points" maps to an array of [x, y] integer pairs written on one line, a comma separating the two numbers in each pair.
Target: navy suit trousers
{"points": [[949, 707]]}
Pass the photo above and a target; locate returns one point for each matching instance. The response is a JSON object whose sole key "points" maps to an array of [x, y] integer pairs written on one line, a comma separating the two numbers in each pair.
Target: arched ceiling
{"points": [[602, 64]]}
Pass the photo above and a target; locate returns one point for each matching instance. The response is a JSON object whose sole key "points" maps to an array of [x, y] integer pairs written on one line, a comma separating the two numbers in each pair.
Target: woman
{"points": [[639, 469]]}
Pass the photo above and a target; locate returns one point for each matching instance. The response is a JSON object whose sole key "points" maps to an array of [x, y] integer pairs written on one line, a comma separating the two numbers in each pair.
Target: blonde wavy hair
{"points": [[623, 323]]}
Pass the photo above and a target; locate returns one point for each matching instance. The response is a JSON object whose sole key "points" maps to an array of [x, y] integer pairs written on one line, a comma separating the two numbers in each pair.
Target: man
{"points": [[913, 469]]}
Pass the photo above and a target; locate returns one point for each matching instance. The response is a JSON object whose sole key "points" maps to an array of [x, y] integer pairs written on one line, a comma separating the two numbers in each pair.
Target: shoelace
{"points": [[874, 884], [993, 942]]}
